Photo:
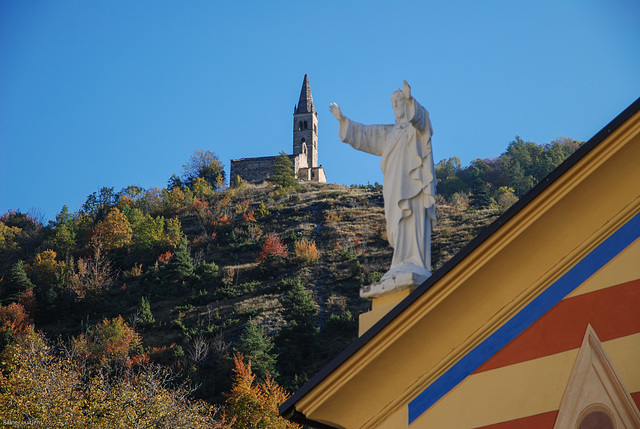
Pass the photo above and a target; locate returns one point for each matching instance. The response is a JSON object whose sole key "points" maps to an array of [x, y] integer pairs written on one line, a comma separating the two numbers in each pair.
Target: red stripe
{"points": [[539, 421], [613, 312], [636, 399]]}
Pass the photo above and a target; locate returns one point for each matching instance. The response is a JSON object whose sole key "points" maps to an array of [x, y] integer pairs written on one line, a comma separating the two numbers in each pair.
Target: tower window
{"points": [[299, 125], [305, 125]]}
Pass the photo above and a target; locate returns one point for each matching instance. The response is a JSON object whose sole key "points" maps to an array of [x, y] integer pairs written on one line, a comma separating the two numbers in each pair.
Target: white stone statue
{"points": [[409, 186]]}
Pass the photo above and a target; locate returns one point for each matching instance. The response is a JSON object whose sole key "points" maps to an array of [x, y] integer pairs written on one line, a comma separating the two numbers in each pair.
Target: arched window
{"points": [[315, 128], [305, 125], [596, 420], [300, 125], [304, 148]]}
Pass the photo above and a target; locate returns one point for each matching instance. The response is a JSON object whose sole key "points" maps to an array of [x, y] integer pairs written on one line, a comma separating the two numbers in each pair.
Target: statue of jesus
{"points": [[409, 179]]}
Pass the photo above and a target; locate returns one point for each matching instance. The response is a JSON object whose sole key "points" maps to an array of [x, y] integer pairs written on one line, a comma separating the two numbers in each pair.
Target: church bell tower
{"points": [[305, 126]]}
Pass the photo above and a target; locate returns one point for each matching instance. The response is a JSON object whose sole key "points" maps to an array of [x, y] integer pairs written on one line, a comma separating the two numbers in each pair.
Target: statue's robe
{"points": [[409, 181]]}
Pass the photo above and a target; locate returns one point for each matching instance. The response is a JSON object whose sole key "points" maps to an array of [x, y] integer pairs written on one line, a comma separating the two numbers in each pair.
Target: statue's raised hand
{"points": [[335, 109], [406, 90]]}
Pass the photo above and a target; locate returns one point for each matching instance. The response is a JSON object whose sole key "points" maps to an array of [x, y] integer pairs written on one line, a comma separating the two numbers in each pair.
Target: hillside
{"points": [[206, 291]]}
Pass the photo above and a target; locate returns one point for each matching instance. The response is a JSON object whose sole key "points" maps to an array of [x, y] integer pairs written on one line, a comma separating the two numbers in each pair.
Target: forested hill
{"points": [[190, 275]]}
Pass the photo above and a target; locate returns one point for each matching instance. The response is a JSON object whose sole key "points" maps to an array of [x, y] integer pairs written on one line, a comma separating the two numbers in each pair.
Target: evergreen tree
{"points": [[180, 267], [299, 308], [480, 195], [296, 341], [255, 345], [17, 284], [283, 172], [145, 317]]}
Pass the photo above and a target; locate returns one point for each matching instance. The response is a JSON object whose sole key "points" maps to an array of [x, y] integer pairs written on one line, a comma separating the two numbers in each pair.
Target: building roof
{"points": [[288, 409], [305, 103]]}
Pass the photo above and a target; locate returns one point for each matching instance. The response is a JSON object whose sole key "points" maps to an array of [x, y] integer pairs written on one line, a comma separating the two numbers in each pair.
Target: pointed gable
{"points": [[305, 103], [595, 392]]}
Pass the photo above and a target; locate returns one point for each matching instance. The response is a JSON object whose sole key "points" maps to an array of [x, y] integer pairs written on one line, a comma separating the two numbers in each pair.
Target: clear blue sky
{"points": [[117, 93]]}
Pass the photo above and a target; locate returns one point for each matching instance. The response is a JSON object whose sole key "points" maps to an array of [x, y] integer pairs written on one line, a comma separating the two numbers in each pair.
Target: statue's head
{"points": [[398, 103]]}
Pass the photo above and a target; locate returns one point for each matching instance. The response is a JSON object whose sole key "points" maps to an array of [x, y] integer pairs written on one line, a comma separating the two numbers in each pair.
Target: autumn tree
{"points": [[110, 344], [48, 276], [90, 276], [20, 236], [272, 248], [114, 232], [134, 192], [205, 165], [9, 241], [202, 189], [57, 390], [252, 405], [306, 251], [14, 322]]}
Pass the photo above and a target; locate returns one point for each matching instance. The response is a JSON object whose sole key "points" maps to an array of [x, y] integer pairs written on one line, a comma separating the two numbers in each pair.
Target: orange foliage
{"points": [[198, 205], [306, 251], [14, 318], [111, 343], [125, 201], [165, 257], [254, 405], [272, 247], [142, 359], [28, 301], [224, 220], [163, 354], [249, 217], [226, 199]]}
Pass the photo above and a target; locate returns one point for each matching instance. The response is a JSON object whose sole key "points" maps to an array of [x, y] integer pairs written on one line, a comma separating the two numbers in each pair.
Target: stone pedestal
{"points": [[392, 284], [386, 294]]}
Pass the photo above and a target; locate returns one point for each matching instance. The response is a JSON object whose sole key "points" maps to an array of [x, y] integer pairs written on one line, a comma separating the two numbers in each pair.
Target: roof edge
{"points": [[296, 416]]}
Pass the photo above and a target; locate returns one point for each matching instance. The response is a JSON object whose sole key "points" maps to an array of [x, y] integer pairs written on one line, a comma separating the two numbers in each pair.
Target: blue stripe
{"points": [[584, 269]]}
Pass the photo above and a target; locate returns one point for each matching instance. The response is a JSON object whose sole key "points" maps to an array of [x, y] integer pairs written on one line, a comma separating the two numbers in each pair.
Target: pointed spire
{"points": [[305, 104]]}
